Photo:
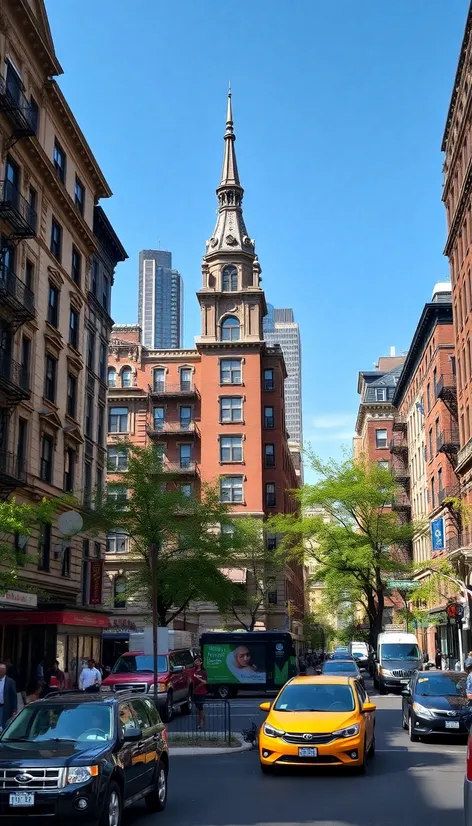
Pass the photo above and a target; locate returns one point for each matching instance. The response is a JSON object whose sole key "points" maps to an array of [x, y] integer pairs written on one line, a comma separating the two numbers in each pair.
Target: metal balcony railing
{"points": [[184, 466], [446, 384], [448, 440], [398, 443], [15, 295], [401, 502], [14, 380], [171, 428], [160, 388], [19, 110], [12, 467], [400, 424], [17, 211], [448, 493]]}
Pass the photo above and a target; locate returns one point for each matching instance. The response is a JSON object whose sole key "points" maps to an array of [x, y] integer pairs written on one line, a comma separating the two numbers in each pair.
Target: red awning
{"points": [[82, 619]]}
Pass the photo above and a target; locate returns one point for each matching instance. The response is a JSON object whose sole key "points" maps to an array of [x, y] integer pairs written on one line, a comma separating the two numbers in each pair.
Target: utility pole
{"points": [[153, 555]]}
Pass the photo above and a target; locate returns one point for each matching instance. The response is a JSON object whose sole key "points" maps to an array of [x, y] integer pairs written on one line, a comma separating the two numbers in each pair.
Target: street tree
{"points": [[19, 520], [194, 536], [347, 526]]}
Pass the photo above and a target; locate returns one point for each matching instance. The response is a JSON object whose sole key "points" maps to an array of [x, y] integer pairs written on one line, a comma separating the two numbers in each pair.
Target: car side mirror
{"points": [[177, 669], [406, 692], [132, 734], [368, 707], [264, 706]]}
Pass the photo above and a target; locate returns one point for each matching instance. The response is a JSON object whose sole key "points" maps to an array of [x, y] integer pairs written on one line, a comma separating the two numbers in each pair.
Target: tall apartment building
{"points": [[280, 327], [58, 254], [216, 412], [160, 300]]}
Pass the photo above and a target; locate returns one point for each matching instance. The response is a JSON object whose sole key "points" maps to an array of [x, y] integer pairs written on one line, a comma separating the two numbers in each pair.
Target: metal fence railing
{"points": [[209, 723]]}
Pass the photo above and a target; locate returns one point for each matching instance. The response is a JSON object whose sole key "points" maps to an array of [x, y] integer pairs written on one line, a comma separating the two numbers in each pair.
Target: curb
{"points": [[188, 751]]}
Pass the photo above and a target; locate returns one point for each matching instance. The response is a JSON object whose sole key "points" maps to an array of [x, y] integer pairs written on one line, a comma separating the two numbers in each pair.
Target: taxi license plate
{"points": [[22, 799], [452, 724], [308, 752]]}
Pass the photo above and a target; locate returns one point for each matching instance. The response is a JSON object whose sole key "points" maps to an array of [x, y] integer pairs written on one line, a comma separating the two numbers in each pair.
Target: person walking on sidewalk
{"points": [[8, 697], [200, 680], [90, 678]]}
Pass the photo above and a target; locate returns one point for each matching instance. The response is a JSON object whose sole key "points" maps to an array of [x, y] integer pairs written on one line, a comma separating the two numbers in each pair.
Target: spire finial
{"points": [[229, 112], [229, 175]]}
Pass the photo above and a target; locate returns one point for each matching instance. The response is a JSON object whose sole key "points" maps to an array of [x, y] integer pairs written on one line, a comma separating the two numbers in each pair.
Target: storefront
{"points": [[31, 638]]}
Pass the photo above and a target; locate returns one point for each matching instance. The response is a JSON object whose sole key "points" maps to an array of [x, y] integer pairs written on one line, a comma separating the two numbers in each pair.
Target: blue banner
{"points": [[437, 535]]}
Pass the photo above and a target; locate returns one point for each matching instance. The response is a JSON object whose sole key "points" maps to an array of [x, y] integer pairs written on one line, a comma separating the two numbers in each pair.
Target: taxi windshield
{"points": [[315, 697]]}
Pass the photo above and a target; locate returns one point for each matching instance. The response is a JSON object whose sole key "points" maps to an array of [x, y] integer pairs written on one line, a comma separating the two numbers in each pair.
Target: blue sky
{"points": [[339, 113]]}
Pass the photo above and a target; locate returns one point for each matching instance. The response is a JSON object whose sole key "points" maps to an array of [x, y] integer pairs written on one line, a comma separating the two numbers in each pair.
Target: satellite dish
{"points": [[70, 523]]}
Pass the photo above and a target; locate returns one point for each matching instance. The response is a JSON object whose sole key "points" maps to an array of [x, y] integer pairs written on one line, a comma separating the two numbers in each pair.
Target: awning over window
{"points": [[236, 575]]}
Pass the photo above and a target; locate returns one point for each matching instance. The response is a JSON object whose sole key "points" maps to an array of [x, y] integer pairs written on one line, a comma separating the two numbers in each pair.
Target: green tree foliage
{"points": [[195, 537], [21, 519], [356, 539]]}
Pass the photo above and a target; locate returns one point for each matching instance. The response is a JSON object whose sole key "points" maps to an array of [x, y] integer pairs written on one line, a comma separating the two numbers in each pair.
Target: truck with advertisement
{"points": [[247, 660]]}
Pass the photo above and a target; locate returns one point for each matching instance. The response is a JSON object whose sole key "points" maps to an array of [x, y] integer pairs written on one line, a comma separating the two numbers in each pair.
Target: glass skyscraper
{"points": [[160, 301], [281, 328]]}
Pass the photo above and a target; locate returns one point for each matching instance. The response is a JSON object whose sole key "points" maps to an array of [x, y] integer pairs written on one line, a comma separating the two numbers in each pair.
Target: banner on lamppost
{"points": [[96, 576], [437, 534]]}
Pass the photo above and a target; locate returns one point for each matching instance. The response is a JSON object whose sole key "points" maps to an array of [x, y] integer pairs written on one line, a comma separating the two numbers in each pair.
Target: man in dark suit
{"points": [[8, 697]]}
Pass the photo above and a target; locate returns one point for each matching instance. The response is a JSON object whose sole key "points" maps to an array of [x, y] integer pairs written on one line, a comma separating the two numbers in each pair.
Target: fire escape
{"points": [[449, 443], [17, 221], [401, 503]]}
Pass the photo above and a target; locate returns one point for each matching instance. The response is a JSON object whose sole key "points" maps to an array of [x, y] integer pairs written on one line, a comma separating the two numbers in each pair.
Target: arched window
{"points": [[119, 590], [111, 377], [230, 279], [126, 375], [230, 329]]}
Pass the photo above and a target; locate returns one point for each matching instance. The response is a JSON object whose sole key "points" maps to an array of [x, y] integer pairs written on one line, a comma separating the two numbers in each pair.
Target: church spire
{"points": [[230, 232]]}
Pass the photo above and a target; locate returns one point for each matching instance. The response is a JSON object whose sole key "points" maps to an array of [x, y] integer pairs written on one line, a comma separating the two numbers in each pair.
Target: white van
{"points": [[360, 650], [397, 658]]}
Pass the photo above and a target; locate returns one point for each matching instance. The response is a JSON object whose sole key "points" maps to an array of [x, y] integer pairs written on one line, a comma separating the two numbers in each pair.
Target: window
{"points": [[231, 449], [269, 455], [34, 115], [159, 380], [69, 469], [380, 394], [91, 350], [117, 459], [230, 329], [270, 495], [99, 489], [185, 455], [22, 443], [231, 489], [428, 398], [117, 543], [126, 377], [95, 275], [269, 420], [118, 420], [25, 360], [87, 484], [111, 377], [185, 378], [231, 409], [440, 484], [102, 362], [272, 542], [65, 567], [437, 434], [100, 425], [29, 275], [380, 438], [74, 321], [433, 493], [32, 201], [119, 591], [59, 160], [230, 371], [186, 490], [105, 293], [269, 379], [79, 195], [50, 379], [185, 417], [56, 240], [47, 448], [229, 279], [383, 464], [53, 305], [76, 266], [158, 415], [160, 453], [44, 547], [72, 395], [430, 441], [89, 417]]}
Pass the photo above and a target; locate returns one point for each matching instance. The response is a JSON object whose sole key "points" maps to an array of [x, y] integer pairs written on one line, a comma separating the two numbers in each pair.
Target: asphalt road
{"points": [[407, 784]]}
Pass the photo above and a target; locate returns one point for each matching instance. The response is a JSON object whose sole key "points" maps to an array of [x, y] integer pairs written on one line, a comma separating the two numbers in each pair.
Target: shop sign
{"points": [[96, 577], [20, 598], [122, 624]]}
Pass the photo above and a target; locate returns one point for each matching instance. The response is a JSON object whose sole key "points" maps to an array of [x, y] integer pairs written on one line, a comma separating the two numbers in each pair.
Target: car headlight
{"points": [[80, 774], [421, 710], [161, 687], [271, 731], [350, 731], [385, 672]]}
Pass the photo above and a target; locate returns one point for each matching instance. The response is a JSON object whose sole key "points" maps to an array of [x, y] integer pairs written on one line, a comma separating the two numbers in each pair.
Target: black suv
{"points": [[87, 756]]}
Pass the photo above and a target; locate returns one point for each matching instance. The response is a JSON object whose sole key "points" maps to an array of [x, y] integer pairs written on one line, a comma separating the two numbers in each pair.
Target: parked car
{"points": [[318, 721], [435, 702], [343, 668], [468, 785], [134, 671], [360, 652], [83, 756]]}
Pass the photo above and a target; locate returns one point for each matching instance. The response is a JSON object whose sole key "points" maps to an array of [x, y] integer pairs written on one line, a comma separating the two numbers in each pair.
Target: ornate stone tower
{"points": [[232, 301]]}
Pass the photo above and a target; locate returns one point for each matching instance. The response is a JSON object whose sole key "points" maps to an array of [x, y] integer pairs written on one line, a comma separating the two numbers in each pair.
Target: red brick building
{"points": [[376, 411], [216, 412]]}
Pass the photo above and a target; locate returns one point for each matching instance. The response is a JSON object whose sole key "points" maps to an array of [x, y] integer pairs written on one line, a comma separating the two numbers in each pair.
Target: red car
{"points": [[134, 671]]}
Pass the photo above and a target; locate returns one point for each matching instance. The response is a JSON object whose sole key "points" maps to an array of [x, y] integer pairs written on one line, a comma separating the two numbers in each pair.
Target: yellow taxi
{"points": [[318, 721]]}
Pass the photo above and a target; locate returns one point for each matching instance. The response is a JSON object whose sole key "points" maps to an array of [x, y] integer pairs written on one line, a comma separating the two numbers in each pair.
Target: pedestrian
{"points": [[56, 680], [468, 683], [8, 697], [32, 693], [438, 658], [468, 660], [90, 678], [11, 670], [200, 680]]}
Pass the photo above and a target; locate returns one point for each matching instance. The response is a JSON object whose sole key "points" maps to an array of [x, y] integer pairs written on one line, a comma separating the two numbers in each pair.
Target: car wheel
{"points": [[411, 730], [404, 721], [265, 769], [382, 689], [371, 752], [187, 707], [363, 767], [168, 710], [223, 692], [156, 801], [111, 815]]}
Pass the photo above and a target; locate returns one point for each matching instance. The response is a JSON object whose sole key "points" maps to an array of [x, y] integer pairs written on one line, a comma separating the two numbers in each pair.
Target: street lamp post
{"points": [[153, 555]]}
